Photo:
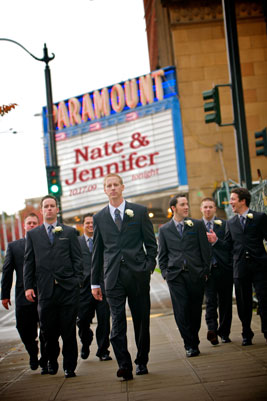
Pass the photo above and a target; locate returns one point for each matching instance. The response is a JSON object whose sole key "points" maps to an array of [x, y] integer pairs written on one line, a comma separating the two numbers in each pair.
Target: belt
{"points": [[185, 269]]}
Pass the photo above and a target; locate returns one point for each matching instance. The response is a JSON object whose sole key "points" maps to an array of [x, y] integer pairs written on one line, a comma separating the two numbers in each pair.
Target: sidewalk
{"points": [[224, 372]]}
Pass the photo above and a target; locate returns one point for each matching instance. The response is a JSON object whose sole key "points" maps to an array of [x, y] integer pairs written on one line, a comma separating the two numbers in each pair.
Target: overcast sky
{"points": [[96, 43]]}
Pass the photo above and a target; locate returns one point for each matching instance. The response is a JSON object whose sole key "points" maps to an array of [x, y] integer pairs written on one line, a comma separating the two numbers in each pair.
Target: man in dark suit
{"points": [[26, 313], [184, 260], [53, 258], [89, 305], [219, 287], [244, 236], [125, 246]]}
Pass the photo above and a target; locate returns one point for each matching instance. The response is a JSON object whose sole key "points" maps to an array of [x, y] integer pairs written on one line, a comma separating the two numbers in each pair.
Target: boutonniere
{"points": [[57, 229], [250, 215], [129, 212], [218, 222], [189, 223]]}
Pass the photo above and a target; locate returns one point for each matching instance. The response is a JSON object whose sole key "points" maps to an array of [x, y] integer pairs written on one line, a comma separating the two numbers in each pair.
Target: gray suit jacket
{"points": [[60, 262], [135, 243], [192, 250]]}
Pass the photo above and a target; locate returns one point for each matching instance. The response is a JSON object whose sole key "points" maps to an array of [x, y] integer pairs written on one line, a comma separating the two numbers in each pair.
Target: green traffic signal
{"points": [[215, 117], [262, 144], [53, 180]]}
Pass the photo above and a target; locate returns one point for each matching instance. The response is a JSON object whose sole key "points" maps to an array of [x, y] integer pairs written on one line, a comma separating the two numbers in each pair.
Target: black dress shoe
{"points": [[141, 370], [212, 337], [34, 363], [105, 357], [85, 351], [125, 373], [52, 368], [225, 339], [44, 370], [69, 373], [190, 352], [246, 341]]}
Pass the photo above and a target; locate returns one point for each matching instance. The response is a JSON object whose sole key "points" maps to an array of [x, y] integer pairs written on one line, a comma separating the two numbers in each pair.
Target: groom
{"points": [[125, 246]]}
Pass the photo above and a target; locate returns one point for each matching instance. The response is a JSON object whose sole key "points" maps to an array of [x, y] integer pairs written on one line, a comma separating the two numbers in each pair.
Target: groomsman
{"points": [[244, 236], [125, 246], [184, 260], [89, 305], [219, 287], [27, 320], [53, 260]]}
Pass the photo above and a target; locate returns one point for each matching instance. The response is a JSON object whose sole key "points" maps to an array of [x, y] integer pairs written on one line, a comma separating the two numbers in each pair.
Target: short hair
{"points": [[242, 193], [87, 215], [48, 197], [208, 199], [32, 215], [174, 199], [113, 175]]}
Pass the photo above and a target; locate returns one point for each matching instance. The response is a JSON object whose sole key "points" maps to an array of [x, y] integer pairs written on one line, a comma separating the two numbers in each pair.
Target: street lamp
{"points": [[49, 99]]}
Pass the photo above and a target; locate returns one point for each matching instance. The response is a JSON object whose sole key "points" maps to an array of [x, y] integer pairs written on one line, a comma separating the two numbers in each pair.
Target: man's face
{"points": [[88, 226], [236, 204], [30, 222], [181, 208], [49, 210], [113, 188], [208, 209]]}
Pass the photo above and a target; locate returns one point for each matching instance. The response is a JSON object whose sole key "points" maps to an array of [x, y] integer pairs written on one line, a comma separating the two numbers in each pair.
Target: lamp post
{"points": [[51, 130]]}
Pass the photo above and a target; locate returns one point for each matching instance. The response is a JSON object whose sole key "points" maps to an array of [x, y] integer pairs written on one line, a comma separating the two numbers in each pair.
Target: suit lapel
{"points": [[108, 217], [44, 234], [125, 217], [174, 229]]}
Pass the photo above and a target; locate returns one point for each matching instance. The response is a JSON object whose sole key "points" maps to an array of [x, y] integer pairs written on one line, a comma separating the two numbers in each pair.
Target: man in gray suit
{"points": [[88, 304], [184, 260], [125, 246], [53, 259], [26, 312]]}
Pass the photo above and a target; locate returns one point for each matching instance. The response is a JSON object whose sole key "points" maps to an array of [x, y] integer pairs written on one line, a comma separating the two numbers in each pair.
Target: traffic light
{"points": [[262, 143], [53, 180], [212, 106]]}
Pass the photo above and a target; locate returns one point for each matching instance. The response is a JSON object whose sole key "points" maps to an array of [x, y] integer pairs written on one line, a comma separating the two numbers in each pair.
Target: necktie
{"points": [[213, 259], [118, 220], [90, 244], [50, 234], [242, 221], [180, 229], [208, 226]]}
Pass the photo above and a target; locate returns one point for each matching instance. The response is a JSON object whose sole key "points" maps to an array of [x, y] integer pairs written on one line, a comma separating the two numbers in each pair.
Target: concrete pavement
{"points": [[223, 372]]}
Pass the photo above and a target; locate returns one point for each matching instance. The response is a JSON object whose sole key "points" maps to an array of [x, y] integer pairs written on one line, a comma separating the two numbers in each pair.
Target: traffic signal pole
{"points": [[237, 93]]}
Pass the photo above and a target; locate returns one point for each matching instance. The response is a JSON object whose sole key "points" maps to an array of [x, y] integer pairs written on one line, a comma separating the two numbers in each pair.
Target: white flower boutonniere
{"points": [[189, 223], [218, 222], [250, 215], [57, 229], [129, 212]]}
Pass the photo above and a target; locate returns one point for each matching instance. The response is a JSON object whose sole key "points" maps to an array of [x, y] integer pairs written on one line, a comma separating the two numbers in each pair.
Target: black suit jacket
{"points": [[111, 245], [14, 262], [59, 262], [247, 243], [192, 249], [223, 256]]}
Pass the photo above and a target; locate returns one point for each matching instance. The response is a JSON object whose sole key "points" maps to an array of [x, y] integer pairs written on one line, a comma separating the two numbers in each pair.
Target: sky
{"points": [[96, 43]]}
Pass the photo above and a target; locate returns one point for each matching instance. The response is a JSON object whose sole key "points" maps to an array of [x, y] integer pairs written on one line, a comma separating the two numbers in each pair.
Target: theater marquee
{"points": [[132, 128]]}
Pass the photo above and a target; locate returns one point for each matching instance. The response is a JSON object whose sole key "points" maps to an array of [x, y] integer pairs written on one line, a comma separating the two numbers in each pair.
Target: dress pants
{"points": [[135, 286], [187, 298], [58, 318], [219, 294], [27, 321], [257, 276], [87, 309]]}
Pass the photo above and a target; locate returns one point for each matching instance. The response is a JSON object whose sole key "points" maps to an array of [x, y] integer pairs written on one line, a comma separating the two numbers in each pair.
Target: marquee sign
{"points": [[132, 128]]}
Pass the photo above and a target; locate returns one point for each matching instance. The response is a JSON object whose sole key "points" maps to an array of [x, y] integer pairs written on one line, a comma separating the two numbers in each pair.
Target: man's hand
{"points": [[97, 294], [5, 303], [30, 295], [212, 237]]}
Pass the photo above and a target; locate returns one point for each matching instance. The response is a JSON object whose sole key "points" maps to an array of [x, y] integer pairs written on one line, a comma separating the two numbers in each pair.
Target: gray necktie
{"points": [[208, 226], [90, 244], [180, 228], [118, 220], [242, 221], [50, 234]]}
